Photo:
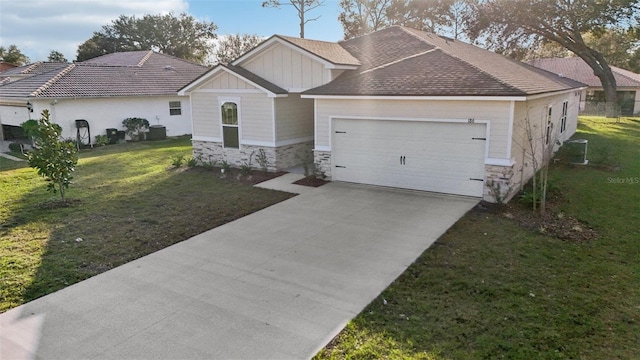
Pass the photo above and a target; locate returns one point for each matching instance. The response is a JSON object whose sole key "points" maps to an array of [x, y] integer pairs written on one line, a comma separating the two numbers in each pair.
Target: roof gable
{"points": [[330, 55], [239, 72]]}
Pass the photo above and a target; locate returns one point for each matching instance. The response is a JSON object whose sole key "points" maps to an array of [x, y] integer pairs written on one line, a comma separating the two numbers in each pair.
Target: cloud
{"points": [[39, 26]]}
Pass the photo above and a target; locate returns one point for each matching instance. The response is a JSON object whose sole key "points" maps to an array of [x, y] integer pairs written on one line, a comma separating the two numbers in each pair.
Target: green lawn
{"points": [[489, 289], [129, 202]]}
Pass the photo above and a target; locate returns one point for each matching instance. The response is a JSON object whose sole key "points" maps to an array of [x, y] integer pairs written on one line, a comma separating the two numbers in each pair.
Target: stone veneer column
{"points": [[499, 179], [322, 160]]}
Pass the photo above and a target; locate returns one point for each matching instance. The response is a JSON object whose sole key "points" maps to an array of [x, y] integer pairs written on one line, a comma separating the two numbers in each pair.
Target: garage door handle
{"points": [[475, 138], [342, 167], [403, 160], [341, 132], [475, 179]]}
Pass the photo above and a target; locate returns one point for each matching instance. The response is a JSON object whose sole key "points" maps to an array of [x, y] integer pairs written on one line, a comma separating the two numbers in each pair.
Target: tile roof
{"points": [[577, 69], [34, 68], [137, 74], [406, 62], [329, 51]]}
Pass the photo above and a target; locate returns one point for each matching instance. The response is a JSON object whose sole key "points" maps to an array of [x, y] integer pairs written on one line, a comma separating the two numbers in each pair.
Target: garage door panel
{"points": [[441, 157]]}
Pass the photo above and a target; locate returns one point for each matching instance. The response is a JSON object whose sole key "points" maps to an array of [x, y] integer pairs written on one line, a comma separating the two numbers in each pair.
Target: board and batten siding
{"points": [[287, 68], [227, 81], [256, 119], [294, 117], [496, 112]]}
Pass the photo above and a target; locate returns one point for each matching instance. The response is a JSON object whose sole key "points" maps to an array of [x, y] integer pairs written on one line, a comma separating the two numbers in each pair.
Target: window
{"points": [[563, 119], [547, 138], [230, 136], [175, 108]]}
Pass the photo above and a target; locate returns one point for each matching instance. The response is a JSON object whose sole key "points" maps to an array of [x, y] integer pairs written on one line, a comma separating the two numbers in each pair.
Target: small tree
{"points": [[55, 159], [136, 126]]}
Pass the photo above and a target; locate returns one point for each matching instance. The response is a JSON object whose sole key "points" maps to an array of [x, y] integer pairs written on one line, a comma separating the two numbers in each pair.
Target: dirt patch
{"points": [[553, 223], [235, 175], [57, 204], [311, 181]]}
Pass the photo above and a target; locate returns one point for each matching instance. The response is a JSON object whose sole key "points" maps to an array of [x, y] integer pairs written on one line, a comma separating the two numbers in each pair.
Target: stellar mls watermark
{"points": [[623, 180]]}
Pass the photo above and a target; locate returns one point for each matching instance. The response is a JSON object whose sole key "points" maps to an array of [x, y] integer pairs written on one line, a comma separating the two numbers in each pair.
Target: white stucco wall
{"points": [[104, 113], [13, 114]]}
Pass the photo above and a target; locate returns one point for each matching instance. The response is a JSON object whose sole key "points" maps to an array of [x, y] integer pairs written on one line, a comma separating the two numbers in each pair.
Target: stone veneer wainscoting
{"points": [[279, 158]]}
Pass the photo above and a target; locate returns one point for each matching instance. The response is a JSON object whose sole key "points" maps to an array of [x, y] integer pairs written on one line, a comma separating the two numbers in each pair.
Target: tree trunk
{"points": [[302, 10], [602, 70]]}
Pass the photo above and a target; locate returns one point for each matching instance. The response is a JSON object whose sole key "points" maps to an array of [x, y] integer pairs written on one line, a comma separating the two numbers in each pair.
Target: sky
{"points": [[38, 26]]}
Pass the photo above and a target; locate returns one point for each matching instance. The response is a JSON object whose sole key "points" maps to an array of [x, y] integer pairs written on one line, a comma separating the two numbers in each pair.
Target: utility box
{"points": [[157, 132], [112, 135], [577, 150]]}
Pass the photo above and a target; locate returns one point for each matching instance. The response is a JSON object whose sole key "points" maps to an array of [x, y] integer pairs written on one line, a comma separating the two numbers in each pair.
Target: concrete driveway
{"points": [[277, 284]]}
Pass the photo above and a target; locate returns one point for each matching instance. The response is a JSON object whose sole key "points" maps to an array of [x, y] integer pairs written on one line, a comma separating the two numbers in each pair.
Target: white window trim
{"points": [[175, 108], [237, 101], [548, 123], [563, 117]]}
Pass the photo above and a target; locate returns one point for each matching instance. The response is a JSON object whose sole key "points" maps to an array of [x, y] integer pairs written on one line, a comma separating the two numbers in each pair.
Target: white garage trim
{"points": [[441, 156], [332, 119]]}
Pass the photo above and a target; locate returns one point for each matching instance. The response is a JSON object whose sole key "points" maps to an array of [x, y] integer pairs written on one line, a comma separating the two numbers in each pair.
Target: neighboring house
{"points": [[4, 66], [593, 98], [397, 107], [103, 91]]}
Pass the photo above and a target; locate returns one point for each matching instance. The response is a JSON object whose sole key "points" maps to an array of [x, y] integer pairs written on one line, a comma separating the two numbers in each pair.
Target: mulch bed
{"points": [[235, 175], [58, 203], [553, 223], [311, 181]]}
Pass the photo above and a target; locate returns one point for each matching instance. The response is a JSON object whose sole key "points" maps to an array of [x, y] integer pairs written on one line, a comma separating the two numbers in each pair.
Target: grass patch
{"points": [[126, 202], [490, 288]]}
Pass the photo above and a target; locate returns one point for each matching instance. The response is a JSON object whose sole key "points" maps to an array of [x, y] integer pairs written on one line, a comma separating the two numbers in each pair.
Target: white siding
{"points": [[206, 117], [256, 115], [536, 112], [294, 117], [287, 68], [104, 113], [496, 112]]}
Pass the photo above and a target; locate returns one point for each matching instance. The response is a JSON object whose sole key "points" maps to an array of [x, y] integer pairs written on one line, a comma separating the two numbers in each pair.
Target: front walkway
{"points": [[277, 284]]}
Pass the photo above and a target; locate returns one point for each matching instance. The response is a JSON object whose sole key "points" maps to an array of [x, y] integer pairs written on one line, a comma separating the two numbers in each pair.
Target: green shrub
{"points": [[224, 165], [15, 147], [262, 160], [192, 162], [102, 140], [177, 161]]}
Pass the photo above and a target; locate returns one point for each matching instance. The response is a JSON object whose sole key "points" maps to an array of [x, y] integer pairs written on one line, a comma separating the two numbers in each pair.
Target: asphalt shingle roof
{"points": [[121, 74], [407, 62], [256, 79], [329, 51], [577, 69]]}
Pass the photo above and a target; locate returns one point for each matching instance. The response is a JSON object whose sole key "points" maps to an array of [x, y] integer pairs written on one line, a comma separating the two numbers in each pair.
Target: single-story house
{"points": [[103, 91], [4, 66], [398, 107], [593, 98]]}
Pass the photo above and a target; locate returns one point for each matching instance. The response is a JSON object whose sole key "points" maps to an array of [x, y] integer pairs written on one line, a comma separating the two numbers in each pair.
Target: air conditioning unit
{"points": [[577, 150]]}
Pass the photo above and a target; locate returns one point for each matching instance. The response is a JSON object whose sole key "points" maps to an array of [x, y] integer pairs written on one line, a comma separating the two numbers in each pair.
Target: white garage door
{"points": [[432, 156]]}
